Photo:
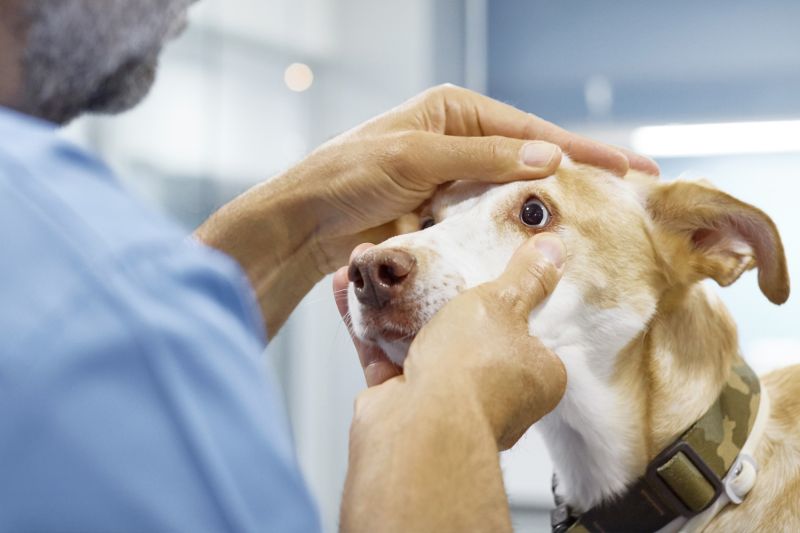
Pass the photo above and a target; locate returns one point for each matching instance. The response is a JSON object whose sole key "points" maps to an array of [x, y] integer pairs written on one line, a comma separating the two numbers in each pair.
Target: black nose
{"points": [[379, 275]]}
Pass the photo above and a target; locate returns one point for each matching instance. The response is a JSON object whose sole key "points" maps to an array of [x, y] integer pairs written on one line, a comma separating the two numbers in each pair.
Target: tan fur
{"points": [[680, 364], [675, 369], [644, 246]]}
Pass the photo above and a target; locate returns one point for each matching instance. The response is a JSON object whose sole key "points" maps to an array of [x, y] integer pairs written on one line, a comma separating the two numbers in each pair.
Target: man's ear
{"points": [[711, 234]]}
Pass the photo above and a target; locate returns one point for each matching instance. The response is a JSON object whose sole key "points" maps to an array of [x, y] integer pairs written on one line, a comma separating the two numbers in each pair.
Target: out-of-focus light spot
{"points": [[298, 77], [686, 140], [599, 96]]}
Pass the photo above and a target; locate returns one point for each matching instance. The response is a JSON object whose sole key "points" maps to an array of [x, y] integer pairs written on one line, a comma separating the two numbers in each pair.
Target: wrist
{"points": [[267, 231], [443, 409], [429, 449]]}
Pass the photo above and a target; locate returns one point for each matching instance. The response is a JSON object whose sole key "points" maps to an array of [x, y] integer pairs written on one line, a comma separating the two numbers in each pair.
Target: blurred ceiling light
{"points": [[686, 140], [298, 77], [599, 96]]}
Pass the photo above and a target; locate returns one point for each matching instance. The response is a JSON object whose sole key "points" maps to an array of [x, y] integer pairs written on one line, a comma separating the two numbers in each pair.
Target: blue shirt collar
{"points": [[11, 119], [27, 138]]}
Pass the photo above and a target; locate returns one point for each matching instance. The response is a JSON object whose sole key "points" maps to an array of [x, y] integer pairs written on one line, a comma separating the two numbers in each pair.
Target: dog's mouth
{"points": [[393, 332], [392, 295], [377, 330]]}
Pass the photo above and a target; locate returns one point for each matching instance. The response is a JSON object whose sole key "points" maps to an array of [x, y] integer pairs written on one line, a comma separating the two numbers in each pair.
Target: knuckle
{"points": [[399, 149], [520, 298], [494, 148], [496, 156], [541, 278], [522, 305], [498, 149], [500, 294], [443, 89]]}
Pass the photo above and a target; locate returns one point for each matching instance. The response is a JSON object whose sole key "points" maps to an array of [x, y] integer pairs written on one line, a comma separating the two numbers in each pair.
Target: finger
{"points": [[380, 370], [340, 283], [467, 113], [532, 273], [430, 159], [640, 162], [376, 365]]}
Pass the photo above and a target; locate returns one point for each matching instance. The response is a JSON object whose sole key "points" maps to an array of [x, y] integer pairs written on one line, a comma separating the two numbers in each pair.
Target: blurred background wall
{"points": [[228, 112]]}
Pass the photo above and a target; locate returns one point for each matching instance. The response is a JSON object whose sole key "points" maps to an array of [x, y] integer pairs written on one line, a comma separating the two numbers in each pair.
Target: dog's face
{"points": [[471, 231], [636, 249], [629, 242]]}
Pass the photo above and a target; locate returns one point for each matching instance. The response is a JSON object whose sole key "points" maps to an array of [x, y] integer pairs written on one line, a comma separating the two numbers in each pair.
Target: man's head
{"points": [[76, 56]]}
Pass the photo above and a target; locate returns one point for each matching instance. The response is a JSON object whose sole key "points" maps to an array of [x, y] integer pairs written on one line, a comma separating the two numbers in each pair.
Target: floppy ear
{"points": [[710, 234]]}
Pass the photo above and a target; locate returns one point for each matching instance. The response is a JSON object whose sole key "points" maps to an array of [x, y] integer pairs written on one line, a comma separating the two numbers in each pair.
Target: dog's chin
{"points": [[396, 351], [392, 335]]}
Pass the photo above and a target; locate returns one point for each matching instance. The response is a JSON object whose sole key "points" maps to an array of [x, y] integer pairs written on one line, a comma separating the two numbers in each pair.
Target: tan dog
{"points": [[647, 346]]}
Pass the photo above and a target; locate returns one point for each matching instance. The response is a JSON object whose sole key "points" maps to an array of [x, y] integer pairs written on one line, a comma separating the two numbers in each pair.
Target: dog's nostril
{"points": [[394, 267], [388, 275], [355, 276], [358, 280]]}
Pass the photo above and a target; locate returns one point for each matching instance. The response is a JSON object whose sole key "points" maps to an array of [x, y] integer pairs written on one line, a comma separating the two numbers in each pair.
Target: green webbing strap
{"points": [[685, 478]]}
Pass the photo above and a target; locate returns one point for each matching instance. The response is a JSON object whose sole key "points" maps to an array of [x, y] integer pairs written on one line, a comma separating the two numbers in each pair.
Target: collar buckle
{"points": [[561, 519], [687, 495]]}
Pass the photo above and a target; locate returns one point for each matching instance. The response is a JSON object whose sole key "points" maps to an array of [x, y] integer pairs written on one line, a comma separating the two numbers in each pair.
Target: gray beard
{"points": [[93, 55]]}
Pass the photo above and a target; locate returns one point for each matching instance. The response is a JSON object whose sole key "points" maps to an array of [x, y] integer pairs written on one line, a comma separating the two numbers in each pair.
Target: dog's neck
{"points": [[616, 417]]}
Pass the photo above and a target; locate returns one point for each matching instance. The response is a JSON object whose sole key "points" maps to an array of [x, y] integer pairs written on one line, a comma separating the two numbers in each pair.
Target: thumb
{"points": [[439, 159], [532, 273]]}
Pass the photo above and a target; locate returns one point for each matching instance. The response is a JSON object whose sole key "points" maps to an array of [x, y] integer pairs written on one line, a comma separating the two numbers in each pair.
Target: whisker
{"points": [[347, 318]]}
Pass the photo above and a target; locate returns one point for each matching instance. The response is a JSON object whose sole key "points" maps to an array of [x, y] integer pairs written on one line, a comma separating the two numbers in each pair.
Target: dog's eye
{"points": [[427, 223], [534, 214]]}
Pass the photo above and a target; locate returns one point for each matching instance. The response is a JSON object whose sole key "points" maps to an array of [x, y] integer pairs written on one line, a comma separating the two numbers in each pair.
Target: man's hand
{"points": [[423, 451], [387, 167], [292, 230]]}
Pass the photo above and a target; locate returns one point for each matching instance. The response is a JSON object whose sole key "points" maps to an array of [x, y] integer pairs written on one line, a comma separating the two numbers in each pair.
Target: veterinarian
{"points": [[132, 391]]}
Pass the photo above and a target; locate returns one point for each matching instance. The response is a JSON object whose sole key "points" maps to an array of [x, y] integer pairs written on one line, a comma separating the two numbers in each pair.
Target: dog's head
{"points": [[631, 243]]}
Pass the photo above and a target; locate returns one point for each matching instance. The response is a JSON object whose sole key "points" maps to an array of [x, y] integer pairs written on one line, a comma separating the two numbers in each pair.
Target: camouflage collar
{"points": [[687, 477]]}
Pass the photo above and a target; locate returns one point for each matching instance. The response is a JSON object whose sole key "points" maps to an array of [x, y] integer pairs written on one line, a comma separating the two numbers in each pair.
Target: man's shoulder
{"points": [[71, 196], [70, 231]]}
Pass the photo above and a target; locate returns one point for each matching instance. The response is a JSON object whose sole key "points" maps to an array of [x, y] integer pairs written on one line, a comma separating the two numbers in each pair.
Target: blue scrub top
{"points": [[133, 394]]}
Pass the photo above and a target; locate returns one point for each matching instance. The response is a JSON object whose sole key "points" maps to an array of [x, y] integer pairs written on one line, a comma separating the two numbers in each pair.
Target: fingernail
{"points": [[538, 154], [551, 248]]}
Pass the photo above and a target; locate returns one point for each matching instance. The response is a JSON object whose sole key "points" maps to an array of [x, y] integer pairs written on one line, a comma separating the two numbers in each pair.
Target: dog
{"points": [[648, 347]]}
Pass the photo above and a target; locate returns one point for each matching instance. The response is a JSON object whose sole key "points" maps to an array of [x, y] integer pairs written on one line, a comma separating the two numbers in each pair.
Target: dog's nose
{"points": [[378, 275]]}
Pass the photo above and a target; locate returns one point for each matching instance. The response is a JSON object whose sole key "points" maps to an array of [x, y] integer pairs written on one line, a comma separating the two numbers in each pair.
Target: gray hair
{"points": [[93, 55]]}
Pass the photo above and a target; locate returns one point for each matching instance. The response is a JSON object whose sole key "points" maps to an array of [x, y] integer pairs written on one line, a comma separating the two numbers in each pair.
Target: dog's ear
{"points": [[706, 233]]}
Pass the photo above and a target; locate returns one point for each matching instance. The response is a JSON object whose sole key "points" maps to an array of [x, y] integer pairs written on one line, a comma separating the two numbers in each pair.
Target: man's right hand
{"points": [[479, 343], [481, 339], [423, 444]]}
